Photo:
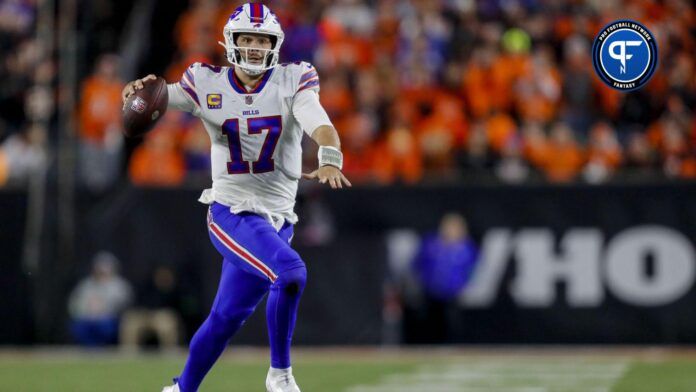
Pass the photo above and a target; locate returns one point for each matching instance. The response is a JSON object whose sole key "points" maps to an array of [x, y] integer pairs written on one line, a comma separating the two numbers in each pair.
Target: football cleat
{"points": [[172, 388], [281, 380]]}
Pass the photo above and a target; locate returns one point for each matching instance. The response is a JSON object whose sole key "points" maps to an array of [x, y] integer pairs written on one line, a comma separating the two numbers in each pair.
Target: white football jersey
{"points": [[256, 151]]}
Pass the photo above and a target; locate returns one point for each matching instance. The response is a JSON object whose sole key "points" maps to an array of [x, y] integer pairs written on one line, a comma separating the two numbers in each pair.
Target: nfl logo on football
{"points": [[138, 105]]}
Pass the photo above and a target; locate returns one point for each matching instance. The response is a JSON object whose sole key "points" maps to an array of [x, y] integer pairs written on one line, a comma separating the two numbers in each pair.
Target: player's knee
{"points": [[293, 279]]}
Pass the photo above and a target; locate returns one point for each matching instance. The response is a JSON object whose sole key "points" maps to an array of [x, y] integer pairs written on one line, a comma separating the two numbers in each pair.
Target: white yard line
{"points": [[505, 375]]}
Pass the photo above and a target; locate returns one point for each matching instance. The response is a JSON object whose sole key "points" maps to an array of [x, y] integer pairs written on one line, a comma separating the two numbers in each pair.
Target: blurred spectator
{"points": [[16, 16], [21, 156], [536, 147], [639, 154], [483, 86], [398, 159], [356, 138], [440, 133], [159, 161], [500, 127], [99, 115], [155, 312], [196, 148], [564, 159], [443, 266], [538, 90], [512, 168], [577, 84], [302, 37], [96, 303], [478, 157], [26, 95], [194, 31], [604, 153], [673, 147], [4, 169]]}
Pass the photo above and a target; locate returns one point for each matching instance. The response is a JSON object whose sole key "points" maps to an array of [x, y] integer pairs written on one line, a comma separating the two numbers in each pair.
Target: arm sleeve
{"points": [[178, 99], [308, 111], [183, 95]]}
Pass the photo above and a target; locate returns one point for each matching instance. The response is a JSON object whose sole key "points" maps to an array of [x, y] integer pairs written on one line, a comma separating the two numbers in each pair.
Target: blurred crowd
{"points": [[438, 90], [419, 90], [26, 93]]}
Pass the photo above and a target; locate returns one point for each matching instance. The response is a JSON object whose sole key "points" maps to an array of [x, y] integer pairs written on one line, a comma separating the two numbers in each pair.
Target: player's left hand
{"points": [[329, 174]]}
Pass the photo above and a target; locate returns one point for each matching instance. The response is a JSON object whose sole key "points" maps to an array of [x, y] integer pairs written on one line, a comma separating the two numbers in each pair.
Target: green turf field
{"points": [[365, 371]]}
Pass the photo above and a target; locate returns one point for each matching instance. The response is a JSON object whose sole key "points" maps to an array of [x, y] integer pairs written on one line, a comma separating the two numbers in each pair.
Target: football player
{"points": [[255, 112]]}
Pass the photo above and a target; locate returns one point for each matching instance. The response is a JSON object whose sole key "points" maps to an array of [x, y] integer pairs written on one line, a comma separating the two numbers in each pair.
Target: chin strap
{"points": [[330, 156]]}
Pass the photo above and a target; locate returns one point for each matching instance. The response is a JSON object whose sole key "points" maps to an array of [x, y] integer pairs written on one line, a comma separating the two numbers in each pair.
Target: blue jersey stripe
{"points": [[191, 92], [190, 77], [311, 83], [309, 75]]}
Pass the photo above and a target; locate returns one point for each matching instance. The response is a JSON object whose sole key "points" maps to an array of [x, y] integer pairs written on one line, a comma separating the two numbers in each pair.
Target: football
{"points": [[142, 109]]}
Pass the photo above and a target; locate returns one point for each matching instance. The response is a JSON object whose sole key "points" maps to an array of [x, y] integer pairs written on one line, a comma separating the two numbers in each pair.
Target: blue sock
{"points": [[281, 313], [238, 294]]}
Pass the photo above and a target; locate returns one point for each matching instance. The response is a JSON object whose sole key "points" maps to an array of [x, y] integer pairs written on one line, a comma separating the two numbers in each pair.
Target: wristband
{"points": [[330, 156]]}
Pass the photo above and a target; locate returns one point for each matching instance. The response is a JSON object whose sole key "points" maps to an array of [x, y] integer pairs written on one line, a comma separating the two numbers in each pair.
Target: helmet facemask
{"points": [[269, 57]]}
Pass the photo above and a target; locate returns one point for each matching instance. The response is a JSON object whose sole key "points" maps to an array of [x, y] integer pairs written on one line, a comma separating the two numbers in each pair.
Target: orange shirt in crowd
{"points": [[357, 146], [667, 139], [335, 96], [500, 127], [386, 37], [487, 88], [609, 99], [535, 148], [4, 169], [398, 158], [447, 116], [537, 96], [608, 158], [343, 49], [654, 135], [100, 107], [563, 162], [357, 165], [503, 72], [176, 69], [688, 167], [604, 148], [564, 158], [222, 16], [476, 88], [437, 143], [158, 161], [197, 26]]}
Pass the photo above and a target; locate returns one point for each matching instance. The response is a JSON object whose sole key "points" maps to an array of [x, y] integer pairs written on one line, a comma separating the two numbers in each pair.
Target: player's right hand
{"points": [[132, 87]]}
